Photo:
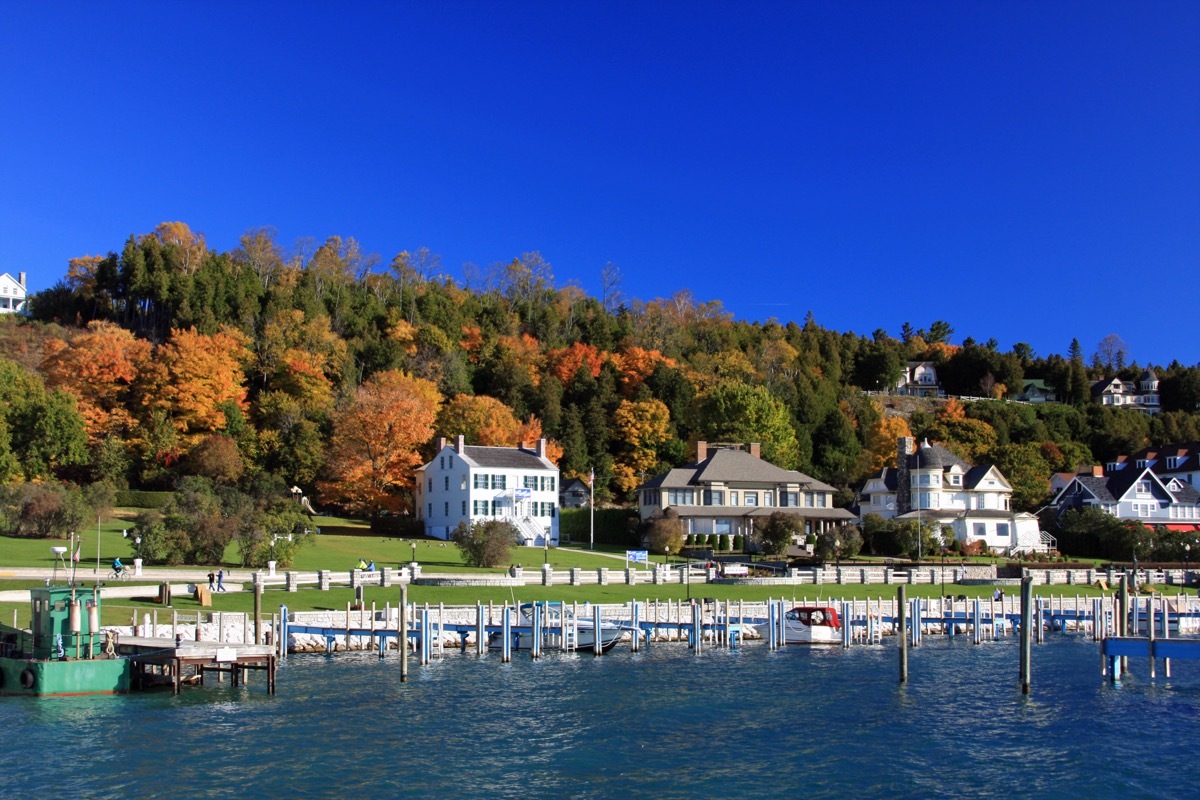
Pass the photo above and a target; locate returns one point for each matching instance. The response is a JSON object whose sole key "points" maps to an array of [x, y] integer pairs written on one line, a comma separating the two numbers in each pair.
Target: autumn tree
{"points": [[777, 532], [482, 420], [662, 532], [192, 376], [375, 442], [641, 427], [99, 367], [879, 451]]}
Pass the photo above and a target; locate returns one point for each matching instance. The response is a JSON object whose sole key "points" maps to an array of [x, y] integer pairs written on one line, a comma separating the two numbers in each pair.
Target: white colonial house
{"points": [[12, 293], [469, 483], [1136, 493], [933, 486], [728, 487]]}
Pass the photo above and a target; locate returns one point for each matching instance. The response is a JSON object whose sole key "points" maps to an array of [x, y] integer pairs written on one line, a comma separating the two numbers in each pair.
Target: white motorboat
{"points": [[806, 625]]}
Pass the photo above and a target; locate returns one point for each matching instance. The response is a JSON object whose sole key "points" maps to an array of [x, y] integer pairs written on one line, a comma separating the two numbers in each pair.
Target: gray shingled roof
{"points": [[505, 458], [732, 467]]}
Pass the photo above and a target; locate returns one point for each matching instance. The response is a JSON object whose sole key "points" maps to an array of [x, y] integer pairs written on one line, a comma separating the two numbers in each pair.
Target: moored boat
{"points": [[806, 625], [561, 630], [64, 652]]}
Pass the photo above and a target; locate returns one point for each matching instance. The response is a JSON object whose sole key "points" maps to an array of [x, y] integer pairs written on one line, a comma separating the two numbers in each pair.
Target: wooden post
{"points": [[258, 593], [1027, 623], [402, 630], [901, 630]]}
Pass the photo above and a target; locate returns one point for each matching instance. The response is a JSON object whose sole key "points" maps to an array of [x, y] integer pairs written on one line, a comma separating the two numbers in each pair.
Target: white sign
{"points": [[637, 555], [226, 654], [523, 494]]}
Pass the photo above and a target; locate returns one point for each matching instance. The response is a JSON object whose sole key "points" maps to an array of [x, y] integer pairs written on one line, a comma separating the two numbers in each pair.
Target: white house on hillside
{"points": [[468, 484], [919, 378], [12, 293], [1136, 491], [932, 485]]}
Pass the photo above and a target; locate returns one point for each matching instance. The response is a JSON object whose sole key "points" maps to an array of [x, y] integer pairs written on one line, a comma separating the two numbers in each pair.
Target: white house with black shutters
{"points": [[469, 483]]}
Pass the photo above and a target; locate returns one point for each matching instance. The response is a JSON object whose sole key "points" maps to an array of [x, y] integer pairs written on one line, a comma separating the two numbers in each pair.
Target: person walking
{"points": [[212, 578], [220, 579]]}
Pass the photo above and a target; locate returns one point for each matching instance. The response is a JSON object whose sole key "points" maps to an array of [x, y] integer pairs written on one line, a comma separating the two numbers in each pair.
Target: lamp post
{"points": [[546, 549], [837, 554], [414, 547], [1187, 552]]}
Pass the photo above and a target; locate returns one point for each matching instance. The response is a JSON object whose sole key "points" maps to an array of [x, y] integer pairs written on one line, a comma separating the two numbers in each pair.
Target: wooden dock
{"points": [[158, 661]]}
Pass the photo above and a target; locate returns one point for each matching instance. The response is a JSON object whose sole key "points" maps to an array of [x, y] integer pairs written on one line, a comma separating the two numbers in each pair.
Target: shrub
{"points": [[486, 543]]}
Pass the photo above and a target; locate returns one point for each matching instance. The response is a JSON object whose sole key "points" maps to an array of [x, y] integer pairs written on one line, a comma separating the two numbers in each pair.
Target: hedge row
{"points": [[129, 499]]}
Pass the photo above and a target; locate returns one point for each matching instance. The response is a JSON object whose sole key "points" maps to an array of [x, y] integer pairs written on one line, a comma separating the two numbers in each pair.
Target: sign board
{"points": [[736, 569], [523, 494], [226, 654], [637, 555]]}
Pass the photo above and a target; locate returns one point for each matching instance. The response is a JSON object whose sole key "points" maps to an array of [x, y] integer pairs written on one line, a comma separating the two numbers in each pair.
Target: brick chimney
{"points": [[541, 448], [460, 443], [904, 449], [756, 449], [701, 451], [441, 443], [21, 279], [1097, 471]]}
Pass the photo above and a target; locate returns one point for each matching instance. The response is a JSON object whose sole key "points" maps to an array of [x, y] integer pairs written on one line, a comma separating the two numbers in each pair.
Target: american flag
{"points": [[75, 557]]}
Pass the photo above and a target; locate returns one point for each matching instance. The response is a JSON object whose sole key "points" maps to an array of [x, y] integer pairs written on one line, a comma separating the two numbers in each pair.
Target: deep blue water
{"points": [[664, 723]]}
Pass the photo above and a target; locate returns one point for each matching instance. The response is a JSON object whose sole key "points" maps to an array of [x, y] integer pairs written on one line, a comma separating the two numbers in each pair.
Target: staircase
{"points": [[532, 534]]}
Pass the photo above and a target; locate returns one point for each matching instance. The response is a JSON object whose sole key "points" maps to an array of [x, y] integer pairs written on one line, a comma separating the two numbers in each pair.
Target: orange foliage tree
{"points": [[564, 362], [375, 442], [531, 431], [192, 376], [482, 420], [99, 367], [636, 364], [880, 448]]}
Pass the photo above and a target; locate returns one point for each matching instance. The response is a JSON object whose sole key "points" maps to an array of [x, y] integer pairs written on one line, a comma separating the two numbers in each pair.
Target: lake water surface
{"points": [[663, 723]]}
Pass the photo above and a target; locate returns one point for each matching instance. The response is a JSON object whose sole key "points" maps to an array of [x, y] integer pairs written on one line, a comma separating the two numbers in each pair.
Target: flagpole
{"points": [[97, 544], [592, 510]]}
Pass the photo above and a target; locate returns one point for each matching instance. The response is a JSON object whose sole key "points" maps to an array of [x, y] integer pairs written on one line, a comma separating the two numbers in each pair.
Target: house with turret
{"points": [[931, 485]]}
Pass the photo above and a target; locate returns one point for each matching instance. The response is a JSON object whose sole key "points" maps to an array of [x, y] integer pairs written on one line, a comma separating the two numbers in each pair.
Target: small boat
{"points": [[561, 630], [806, 625], [64, 652]]}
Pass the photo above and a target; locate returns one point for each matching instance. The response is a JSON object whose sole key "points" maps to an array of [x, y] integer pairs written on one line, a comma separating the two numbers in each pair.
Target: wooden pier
{"points": [[159, 661]]}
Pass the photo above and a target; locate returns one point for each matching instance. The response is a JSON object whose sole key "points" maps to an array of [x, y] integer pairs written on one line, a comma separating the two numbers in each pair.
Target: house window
{"points": [[789, 499], [751, 498], [447, 508], [768, 498], [809, 500], [680, 497], [714, 497], [821, 500], [464, 510], [447, 486], [1143, 487], [531, 482], [733, 498], [463, 483], [479, 481], [442, 462], [499, 481], [548, 483], [479, 508], [1002, 530], [431, 509], [980, 530], [495, 508], [956, 480], [431, 484]]}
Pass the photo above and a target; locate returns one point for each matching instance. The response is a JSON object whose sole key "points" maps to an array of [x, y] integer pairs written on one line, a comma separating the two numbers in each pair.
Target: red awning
{"points": [[1182, 528]]}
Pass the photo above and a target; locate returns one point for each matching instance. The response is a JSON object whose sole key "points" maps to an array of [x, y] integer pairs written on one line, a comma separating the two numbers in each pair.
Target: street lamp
{"points": [[1187, 552], [837, 554], [546, 549], [414, 547]]}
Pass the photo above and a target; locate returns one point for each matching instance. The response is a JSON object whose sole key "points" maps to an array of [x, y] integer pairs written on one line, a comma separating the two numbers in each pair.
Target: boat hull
{"points": [[552, 641], [796, 633], [32, 678]]}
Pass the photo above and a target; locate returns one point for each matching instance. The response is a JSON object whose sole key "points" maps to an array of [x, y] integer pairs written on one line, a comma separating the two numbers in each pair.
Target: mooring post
{"points": [[480, 635], [258, 593], [597, 643], [901, 632], [637, 628], [506, 634], [1027, 623], [402, 632]]}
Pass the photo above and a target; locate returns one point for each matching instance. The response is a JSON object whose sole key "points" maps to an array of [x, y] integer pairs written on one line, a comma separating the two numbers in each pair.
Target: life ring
{"points": [[28, 678]]}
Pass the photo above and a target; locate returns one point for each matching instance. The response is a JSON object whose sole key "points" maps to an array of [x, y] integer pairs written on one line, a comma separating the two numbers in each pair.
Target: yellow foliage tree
{"points": [[482, 420], [642, 426]]}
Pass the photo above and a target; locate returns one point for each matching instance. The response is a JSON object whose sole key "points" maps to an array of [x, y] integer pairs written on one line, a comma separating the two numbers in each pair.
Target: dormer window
{"points": [[1143, 487], [1172, 462], [1112, 466], [1141, 463], [955, 480]]}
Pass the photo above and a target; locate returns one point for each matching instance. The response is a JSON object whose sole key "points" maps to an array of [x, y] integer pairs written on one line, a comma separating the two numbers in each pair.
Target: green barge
{"points": [[64, 652]]}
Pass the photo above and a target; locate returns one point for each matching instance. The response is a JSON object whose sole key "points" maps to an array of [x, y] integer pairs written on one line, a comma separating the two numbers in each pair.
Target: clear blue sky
{"points": [[1027, 171]]}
